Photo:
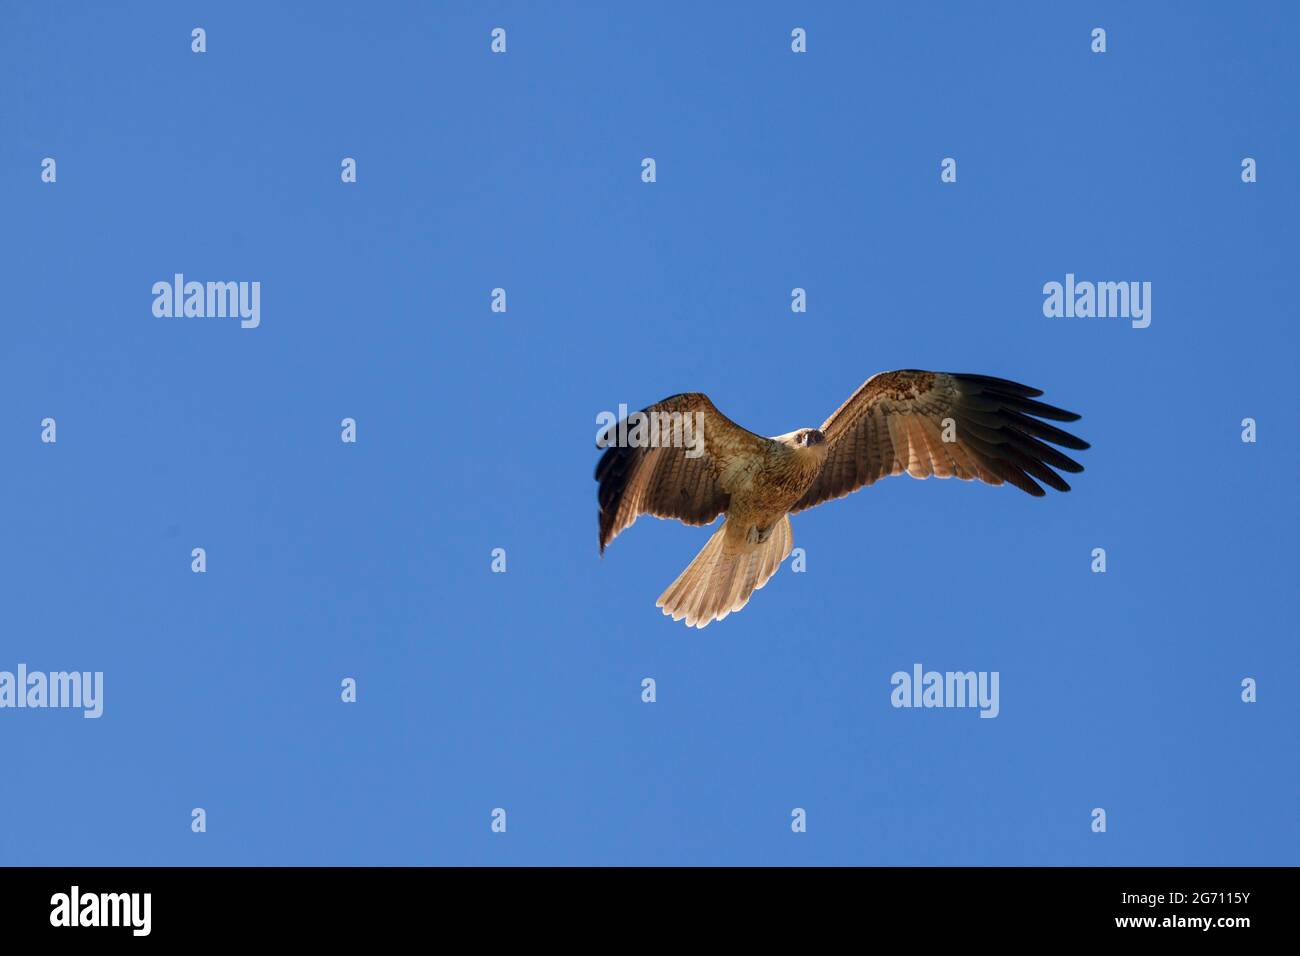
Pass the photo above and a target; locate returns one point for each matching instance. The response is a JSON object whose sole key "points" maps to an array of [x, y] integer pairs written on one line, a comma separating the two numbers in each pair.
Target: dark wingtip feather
{"points": [[1039, 409], [1002, 421], [1004, 385], [612, 471], [1018, 478], [1046, 432]]}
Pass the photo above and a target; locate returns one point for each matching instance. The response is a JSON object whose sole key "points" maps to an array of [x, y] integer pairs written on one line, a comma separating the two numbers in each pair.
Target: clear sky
{"points": [[475, 430]]}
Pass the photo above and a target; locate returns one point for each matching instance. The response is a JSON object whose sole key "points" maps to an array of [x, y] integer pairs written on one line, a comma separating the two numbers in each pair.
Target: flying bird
{"points": [[923, 423]]}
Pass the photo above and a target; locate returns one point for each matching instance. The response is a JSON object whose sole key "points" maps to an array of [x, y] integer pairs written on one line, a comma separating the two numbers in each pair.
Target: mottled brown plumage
{"points": [[921, 423]]}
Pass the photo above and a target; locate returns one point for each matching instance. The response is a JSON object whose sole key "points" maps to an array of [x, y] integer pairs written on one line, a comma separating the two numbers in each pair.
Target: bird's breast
{"points": [[778, 480]]}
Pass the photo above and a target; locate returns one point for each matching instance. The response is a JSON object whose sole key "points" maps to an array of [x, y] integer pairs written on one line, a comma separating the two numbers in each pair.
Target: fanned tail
{"points": [[721, 578]]}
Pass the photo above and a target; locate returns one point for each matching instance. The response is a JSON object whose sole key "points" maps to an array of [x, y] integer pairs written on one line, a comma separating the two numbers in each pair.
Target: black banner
{"points": [[334, 905]]}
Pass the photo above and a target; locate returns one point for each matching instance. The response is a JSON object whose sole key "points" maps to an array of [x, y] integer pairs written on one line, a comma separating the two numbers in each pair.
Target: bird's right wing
{"points": [[679, 478]]}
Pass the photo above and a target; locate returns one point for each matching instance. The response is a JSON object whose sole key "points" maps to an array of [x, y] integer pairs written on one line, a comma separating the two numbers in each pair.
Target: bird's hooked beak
{"points": [[812, 437]]}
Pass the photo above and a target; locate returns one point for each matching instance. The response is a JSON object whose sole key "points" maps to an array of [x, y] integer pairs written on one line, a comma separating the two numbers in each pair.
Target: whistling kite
{"points": [[922, 423]]}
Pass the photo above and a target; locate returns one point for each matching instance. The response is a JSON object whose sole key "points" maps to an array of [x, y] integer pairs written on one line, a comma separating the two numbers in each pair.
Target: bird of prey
{"points": [[921, 423]]}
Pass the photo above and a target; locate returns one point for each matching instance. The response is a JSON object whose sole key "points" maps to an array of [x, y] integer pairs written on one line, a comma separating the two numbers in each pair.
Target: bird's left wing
{"points": [[689, 475], [943, 424]]}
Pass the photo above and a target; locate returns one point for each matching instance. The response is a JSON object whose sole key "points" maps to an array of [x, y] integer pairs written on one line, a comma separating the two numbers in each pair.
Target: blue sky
{"points": [[476, 431]]}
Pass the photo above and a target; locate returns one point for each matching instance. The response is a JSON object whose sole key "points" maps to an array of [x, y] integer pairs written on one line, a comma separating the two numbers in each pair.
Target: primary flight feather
{"points": [[923, 423]]}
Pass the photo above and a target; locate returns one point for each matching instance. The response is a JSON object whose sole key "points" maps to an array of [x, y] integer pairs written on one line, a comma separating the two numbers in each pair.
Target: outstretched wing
{"points": [[687, 481], [943, 424]]}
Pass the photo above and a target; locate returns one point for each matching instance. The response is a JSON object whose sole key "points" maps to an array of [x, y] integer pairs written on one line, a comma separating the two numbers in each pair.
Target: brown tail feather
{"points": [[720, 580]]}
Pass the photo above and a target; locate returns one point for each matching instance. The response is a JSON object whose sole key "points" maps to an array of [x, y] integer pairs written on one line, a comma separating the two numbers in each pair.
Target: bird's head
{"points": [[809, 438]]}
